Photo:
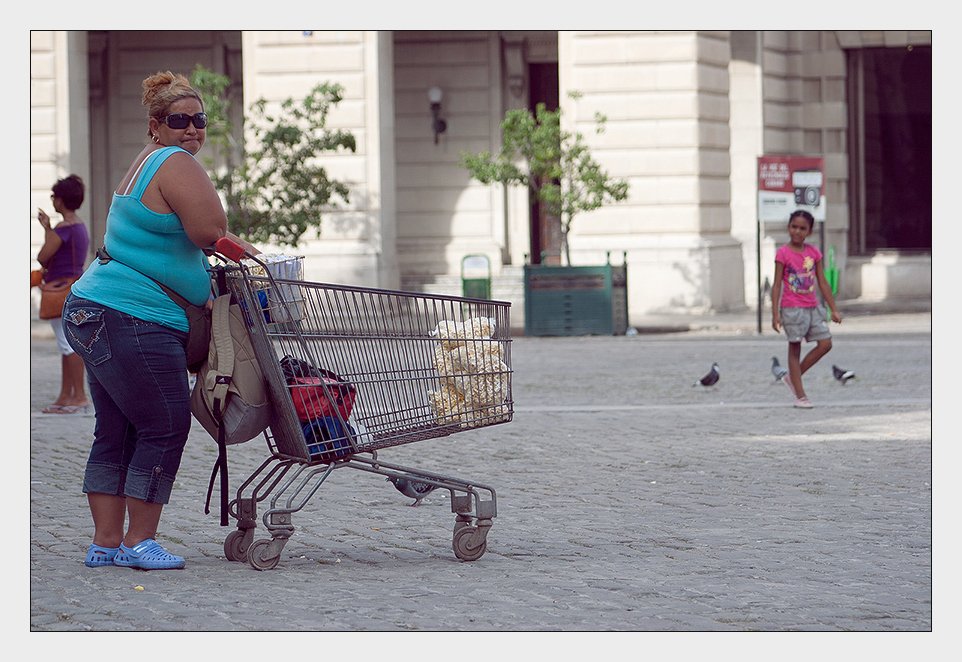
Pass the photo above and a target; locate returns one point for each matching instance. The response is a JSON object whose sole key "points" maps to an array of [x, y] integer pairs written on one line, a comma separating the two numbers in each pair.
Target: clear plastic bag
{"points": [[285, 302]]}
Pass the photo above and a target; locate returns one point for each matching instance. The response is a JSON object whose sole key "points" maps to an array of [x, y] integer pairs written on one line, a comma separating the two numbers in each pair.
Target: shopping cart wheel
{"points": [[466, 543], [461, 521], [261, 556], [236, 544]]}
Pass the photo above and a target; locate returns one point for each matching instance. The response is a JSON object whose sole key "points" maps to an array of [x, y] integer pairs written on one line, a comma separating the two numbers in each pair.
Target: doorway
{"points": [[890, 107], [118, 61], [545, 230]]}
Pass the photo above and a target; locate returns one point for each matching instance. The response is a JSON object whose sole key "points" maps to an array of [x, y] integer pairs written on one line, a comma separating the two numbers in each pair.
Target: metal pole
{"points": [[758, 267], [758, 247]]}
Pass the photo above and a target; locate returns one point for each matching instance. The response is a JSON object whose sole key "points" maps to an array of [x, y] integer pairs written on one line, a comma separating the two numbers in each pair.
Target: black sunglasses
{"points": [[181, 120]]}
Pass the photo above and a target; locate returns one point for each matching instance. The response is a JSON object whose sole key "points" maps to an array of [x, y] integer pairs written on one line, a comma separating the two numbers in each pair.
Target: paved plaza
{"points": [[627, 500]]}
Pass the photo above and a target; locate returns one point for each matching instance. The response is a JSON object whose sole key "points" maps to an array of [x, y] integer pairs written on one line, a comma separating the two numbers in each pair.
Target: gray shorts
{"points": [[807, 323]]}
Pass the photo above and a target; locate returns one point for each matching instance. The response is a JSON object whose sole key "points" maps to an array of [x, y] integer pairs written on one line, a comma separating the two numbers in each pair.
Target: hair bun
{"points": [[154, 84]]}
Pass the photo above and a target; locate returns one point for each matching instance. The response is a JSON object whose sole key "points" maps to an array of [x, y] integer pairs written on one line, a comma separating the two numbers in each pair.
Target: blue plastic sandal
{"points": [[98, 556], [147, 555]]}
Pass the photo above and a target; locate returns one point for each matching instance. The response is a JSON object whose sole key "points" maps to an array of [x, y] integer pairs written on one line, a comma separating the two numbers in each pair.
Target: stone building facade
{"points": [[688, 114]]}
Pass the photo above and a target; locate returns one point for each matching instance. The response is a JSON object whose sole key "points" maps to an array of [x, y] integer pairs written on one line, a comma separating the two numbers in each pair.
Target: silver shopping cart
{"points": [[351, 371]]}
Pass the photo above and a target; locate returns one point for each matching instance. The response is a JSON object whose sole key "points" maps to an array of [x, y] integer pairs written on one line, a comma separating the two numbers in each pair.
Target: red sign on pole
{"points": [[787, 183]]}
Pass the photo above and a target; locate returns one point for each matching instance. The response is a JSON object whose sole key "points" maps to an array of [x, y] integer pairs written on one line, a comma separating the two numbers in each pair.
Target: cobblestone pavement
{"points": [[628, 500]]}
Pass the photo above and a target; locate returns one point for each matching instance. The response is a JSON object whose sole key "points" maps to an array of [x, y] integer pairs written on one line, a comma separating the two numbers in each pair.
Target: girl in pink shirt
{"points": [[798, 271]]}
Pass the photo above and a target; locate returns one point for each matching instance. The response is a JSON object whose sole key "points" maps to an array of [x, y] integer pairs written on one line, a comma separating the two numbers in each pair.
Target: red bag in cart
{"points": [[316, 392], [311, 401]]}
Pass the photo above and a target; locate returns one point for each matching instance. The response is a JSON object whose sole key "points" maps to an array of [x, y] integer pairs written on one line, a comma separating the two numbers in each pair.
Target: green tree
{"points": [[276, 190], [213, 89], [557, 166]]}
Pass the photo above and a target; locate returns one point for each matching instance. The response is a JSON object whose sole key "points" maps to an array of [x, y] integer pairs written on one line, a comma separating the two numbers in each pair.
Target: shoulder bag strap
{"points": [[220, 359], [104, 257]]}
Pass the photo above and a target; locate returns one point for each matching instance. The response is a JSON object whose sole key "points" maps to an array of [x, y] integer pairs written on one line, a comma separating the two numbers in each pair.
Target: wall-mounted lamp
{"points": [[438, 124]]}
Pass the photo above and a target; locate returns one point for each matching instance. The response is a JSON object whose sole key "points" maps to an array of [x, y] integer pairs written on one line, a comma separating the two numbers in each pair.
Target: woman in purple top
{"points": [[63, 255]]}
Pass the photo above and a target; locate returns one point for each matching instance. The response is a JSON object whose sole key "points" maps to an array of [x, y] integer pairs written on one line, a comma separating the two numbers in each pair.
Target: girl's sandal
{"points": [[148, 555], [98, 556]]}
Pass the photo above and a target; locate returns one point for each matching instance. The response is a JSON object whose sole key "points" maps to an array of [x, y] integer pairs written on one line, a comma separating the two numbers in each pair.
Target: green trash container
{"points": [[575, 301], [476, 276]]}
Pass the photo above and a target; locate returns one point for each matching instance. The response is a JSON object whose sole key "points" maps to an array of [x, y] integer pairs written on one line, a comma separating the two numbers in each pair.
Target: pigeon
{"points": [[412, 488], [842, 375], [711, 378], [778, 370]]}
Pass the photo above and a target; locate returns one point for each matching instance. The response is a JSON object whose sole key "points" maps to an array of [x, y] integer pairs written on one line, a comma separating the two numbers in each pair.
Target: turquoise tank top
{"points": [[155, 244]]}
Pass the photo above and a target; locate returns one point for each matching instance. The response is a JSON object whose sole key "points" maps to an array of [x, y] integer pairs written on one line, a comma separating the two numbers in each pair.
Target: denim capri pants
{"points": [[137, 372]]}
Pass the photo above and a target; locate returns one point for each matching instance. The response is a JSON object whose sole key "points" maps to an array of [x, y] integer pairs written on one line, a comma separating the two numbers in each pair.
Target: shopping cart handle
{"points": [[230, 249]]}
